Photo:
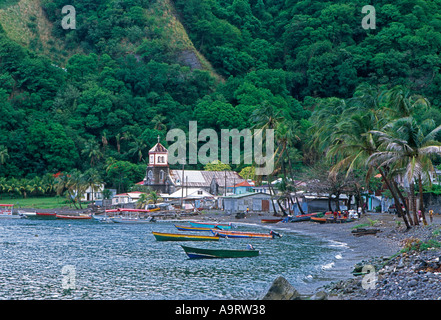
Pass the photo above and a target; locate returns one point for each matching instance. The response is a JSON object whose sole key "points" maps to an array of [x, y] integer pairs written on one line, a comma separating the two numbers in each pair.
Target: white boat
{"points": [[132, 220], [6, 212]]}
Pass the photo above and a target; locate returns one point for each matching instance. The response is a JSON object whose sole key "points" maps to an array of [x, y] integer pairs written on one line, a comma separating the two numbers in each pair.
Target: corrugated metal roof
{"points": [[198, 178]]}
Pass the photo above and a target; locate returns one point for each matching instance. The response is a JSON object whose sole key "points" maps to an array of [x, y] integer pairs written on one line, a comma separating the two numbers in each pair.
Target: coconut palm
{"points": [[92, 180], [3, 154], [407, 149]]}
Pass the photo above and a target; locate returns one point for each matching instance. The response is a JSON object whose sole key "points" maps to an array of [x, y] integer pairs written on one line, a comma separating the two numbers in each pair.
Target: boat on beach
{"points": [[211, 225], [243, 234], [161, 236], [318, 219], [73, 217], [302, 217], [201, 253], [270, 220]]}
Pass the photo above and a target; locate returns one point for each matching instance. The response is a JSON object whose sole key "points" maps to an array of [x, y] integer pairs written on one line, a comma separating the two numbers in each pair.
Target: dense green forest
{"points": [[132, 69]]}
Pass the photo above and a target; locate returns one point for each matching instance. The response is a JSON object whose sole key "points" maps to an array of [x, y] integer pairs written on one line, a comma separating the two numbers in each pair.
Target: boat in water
{"points": [[39, 215], [211, 225], [160, 236], [201, 253], [131, 216], [185, 228], [243, 234], [132, 220], [6, 212], [73, 217]]}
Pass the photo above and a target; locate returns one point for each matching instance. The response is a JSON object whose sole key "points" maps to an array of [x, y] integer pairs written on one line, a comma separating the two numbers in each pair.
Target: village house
{"points": [[126, 198]]}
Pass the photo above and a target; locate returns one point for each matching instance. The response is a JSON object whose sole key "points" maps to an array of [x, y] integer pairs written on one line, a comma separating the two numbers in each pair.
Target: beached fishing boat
{"points": [[185, 228], [302, 217], [6, 212], [200, 253], [270, 220], [318, 219], [39, 215], [160, 236], [131, 216], [73, 217], [338, 220], [243, 234], [211, 225]]}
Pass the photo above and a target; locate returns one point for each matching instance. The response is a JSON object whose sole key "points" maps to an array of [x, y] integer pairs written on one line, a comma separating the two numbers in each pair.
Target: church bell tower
{"points": [[157, 172]]}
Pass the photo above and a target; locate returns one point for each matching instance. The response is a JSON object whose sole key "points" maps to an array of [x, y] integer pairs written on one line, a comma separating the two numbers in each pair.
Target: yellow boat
{"points": [[160, 236]]}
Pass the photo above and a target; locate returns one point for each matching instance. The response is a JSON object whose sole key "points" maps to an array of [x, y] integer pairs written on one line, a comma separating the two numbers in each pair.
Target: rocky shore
{"points": [[405, 264]]}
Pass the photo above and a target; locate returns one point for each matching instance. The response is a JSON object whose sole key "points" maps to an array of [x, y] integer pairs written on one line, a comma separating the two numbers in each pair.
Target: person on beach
{"points": [[431, 215]]}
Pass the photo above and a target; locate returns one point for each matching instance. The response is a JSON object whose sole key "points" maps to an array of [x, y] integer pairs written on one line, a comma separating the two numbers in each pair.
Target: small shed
{"points": [[255, 201]]}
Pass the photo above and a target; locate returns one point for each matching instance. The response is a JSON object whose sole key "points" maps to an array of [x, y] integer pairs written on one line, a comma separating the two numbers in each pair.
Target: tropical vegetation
{"points": [[349, 102]]}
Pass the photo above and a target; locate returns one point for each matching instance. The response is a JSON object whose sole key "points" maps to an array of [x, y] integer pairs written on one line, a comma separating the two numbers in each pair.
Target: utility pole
{"points": [[182, 182]]}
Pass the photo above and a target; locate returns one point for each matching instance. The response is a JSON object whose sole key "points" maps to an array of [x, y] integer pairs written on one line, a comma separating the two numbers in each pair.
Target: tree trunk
{"points": [[329, 202], [420, 185], [337, 201], [404, 202], [412, 200], [298, 205], [394, 195]]}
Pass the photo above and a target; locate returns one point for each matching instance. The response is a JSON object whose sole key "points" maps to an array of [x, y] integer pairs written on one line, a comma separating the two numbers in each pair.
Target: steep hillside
{"points": [[25, 22]]}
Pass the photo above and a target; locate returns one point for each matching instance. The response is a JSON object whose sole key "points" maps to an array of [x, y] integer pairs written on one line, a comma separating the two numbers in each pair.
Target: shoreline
{"points": [[381, 250]]}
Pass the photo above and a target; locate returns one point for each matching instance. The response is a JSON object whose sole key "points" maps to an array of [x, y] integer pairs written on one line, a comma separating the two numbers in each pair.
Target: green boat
{"points": [[200, 253], [160, 236]]}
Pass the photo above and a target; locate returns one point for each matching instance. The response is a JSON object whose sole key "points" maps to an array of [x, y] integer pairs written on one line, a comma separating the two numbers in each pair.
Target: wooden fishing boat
{"points": [[185, 228], [243, 234], [319, 220], [211, 225], [200, 253], [160, 236], [270, 220], [39, 215], [132, 220], [72, 217]]}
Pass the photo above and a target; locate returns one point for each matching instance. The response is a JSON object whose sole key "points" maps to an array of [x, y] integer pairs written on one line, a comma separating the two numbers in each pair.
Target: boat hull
{"points": [[200, 253], [185, 228], [68, 217], [211, 225], [42, 216], [131, 221], [160, 236], [270, 220], [240, 234]]}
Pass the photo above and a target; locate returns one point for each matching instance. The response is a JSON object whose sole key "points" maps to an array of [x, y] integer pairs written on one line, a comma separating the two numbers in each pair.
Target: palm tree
{"points": [[153, 197], [407, 149], [142, 201], [138, 145], [92, 151], [3, 154], [92, 180], [352, 140], [158, 122]]}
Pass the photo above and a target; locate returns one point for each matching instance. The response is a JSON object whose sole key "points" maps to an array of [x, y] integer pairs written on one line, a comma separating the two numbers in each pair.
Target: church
{"points": [[162, 179]]}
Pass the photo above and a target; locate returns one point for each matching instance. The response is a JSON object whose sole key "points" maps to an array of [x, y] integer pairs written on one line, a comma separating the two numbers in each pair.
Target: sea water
{"points": [[58, 259]]}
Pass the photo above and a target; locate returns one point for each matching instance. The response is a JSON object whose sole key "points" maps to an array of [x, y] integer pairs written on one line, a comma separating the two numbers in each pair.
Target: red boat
{"points": [[71, 217], [270, 220]]}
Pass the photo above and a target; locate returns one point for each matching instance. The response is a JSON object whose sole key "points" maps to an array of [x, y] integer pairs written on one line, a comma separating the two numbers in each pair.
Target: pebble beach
{"points": [[411, 275]]}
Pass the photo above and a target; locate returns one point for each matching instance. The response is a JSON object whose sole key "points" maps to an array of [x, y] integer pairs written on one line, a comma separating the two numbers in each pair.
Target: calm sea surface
{"points": [[57, 259]]}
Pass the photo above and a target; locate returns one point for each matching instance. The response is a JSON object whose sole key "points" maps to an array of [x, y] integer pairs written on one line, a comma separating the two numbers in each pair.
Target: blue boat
{"points": [[211, 225]]}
